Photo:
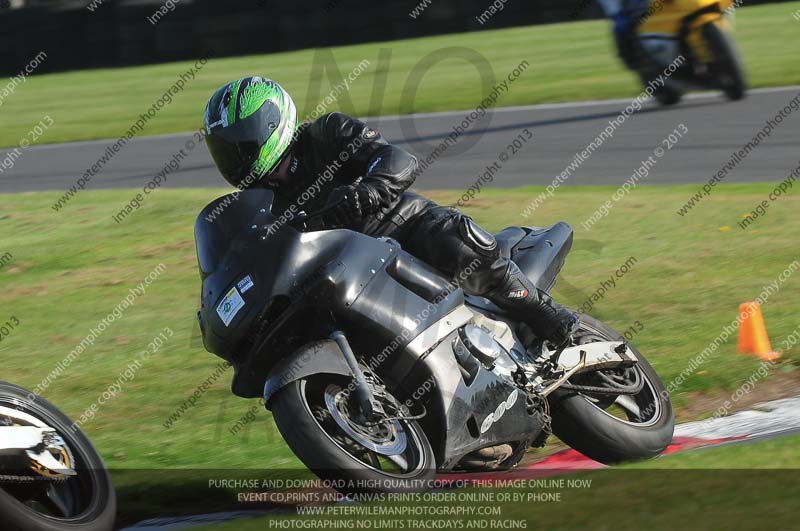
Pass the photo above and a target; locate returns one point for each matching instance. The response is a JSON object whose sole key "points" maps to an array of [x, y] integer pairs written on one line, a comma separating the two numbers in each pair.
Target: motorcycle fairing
{"points": [[459, 421], [368, 283], [373, 290], [669, 18], [682, 20]]}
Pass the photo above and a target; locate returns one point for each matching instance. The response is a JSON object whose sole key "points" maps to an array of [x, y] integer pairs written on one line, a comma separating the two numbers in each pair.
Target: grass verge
{"points": [[574, 61], [702, 489], [66, 273]]}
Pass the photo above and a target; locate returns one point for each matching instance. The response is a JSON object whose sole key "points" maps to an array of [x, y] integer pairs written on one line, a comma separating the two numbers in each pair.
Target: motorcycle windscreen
{"points": [[223, 220]]}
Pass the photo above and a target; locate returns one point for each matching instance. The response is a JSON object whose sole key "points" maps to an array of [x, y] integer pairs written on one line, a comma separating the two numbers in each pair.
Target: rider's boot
{"points": [[517, 295]]}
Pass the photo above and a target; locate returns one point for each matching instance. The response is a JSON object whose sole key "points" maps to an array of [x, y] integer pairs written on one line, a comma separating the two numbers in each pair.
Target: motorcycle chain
{"points": [[548, 420], [540, 404], [33, 477], [591, 389], [29, 479]]}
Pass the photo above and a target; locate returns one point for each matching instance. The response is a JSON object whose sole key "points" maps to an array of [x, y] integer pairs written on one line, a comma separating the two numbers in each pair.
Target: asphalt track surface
{"points": [[716, 129]]}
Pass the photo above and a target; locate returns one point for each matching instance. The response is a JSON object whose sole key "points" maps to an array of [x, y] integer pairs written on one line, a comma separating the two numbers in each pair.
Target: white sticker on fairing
{"points": [[245, 284], [230, 306]]}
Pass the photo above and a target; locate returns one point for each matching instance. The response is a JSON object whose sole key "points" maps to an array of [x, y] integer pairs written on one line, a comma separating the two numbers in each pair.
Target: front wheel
{"points": [[389, 454], [613, 428], [726, 67]]}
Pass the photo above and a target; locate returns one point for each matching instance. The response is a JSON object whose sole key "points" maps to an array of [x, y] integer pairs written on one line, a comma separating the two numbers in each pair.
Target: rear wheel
{"points": [[668, 94], [388, 454], [34, 500], [726, 67], [612, 428]]}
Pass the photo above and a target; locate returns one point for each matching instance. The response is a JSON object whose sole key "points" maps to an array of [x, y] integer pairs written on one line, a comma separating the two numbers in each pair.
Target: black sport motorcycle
{"points": [[379, 372], [51, 477]]}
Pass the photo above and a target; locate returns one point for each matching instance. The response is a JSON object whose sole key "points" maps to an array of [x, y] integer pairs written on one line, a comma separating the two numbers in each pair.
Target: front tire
{"points": [[308, 413], [584, 422], [727, 66]]}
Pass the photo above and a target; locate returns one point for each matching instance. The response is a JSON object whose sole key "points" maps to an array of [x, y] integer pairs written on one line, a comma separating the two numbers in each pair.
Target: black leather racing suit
{"points": [[337, 150]]}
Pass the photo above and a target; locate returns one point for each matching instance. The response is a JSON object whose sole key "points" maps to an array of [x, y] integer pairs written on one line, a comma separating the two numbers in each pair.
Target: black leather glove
{"points": [[348, 204], [568, 325]]}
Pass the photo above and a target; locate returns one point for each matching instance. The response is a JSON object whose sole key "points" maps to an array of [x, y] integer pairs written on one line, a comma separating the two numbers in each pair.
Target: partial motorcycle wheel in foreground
{"points": [[36, 499], [613, 415], [389, 453]]}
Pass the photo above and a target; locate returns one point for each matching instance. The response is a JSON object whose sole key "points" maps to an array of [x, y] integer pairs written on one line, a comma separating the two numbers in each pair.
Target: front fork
{"points": [[363, 396]]}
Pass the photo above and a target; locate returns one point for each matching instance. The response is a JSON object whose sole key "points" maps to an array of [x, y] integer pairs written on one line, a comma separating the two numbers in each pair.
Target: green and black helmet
{"points": [[250, 124]]}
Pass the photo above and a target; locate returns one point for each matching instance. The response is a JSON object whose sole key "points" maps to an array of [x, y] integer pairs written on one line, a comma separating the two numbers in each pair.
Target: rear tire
{"points": [[727, 67], [99, 509], [603, 437], [669, 94], [323, 449]]}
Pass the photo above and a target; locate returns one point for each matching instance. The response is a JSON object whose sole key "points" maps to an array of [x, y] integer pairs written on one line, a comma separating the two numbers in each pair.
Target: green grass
{"points": [[568, 62], [778, 453], [68, 272], [716, 494], [700, 489]]}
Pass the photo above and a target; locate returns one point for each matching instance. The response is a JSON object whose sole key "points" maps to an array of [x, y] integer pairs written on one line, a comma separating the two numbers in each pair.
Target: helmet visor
{"points": [[235, 147]]}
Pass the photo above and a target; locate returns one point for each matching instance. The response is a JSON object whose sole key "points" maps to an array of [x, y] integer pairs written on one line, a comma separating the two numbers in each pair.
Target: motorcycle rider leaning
{"points": [[627, 15], [338, 163]]}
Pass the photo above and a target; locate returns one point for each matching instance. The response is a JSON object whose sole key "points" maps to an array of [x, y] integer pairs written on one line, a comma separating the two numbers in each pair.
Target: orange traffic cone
{"points": [[753, 338]]}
